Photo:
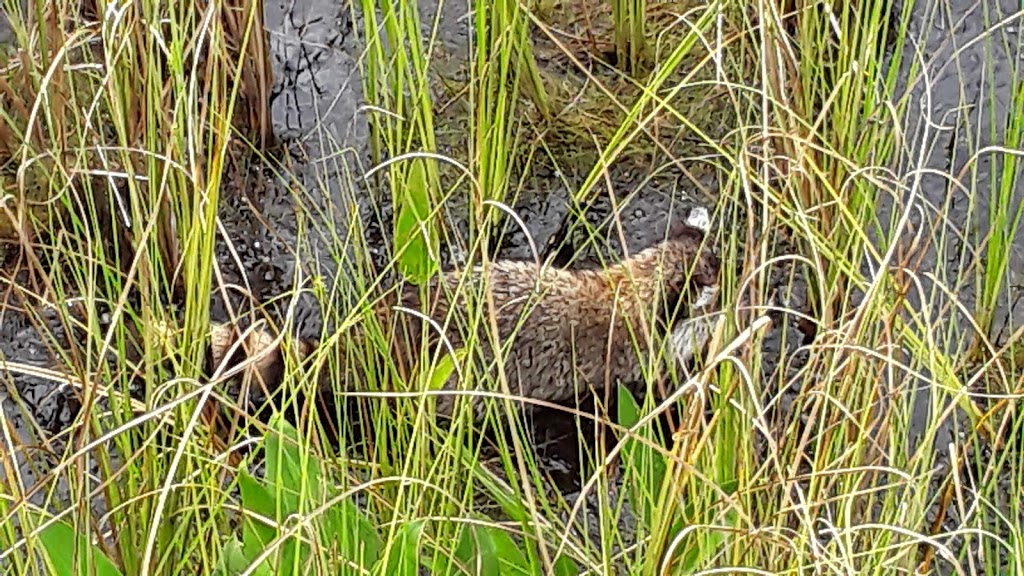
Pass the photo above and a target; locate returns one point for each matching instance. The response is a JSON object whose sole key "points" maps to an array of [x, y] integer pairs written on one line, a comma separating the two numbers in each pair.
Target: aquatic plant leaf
{"points": [[645, 466], [629, 410], [61, 543], [404, 559], [486, 550], [415, 231], [285, 461], [697, 555], [234, 561], [474, 556], [502, 493], [256, 535], [565, 566], [352, 534], [511, 559], [343, 526], [444, 368]]}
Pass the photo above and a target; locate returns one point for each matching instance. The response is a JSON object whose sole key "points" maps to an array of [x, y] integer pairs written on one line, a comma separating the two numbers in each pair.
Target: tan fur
{"points": [[561, 330]]}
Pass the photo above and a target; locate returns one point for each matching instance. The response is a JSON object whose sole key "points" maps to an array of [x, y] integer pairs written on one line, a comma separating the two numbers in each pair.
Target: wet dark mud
{"points": [[957, 176], [957, 171], [961, 108], [318, 110]]}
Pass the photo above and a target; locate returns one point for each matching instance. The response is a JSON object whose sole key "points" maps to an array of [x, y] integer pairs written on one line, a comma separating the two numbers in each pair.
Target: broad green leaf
{"points": [[645, 467], [415, 263], [404, 559], [284, 451], [565, 566], [474, 556], [444, 368], [706, 545], [256, 535], [234, 561], [629, 410], [487, 550], [61, 543], [511, 504], [511, 559], [355, 537]]}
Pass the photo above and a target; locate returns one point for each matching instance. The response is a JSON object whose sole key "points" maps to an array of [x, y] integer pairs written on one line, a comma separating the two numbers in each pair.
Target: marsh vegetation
{"points": [[856, 410]]}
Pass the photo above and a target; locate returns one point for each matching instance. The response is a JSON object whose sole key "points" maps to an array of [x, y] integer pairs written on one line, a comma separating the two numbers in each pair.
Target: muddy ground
{"points": [[316, 110]]}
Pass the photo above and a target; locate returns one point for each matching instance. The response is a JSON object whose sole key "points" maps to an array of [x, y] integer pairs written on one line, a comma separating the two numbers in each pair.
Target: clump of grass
{"points": [[501, 66], [518, 483], [831, 127], [629, 17], [597, 102], [1003, 220], [121, 118], [502, 62], [396, 80], [819, 459]]}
